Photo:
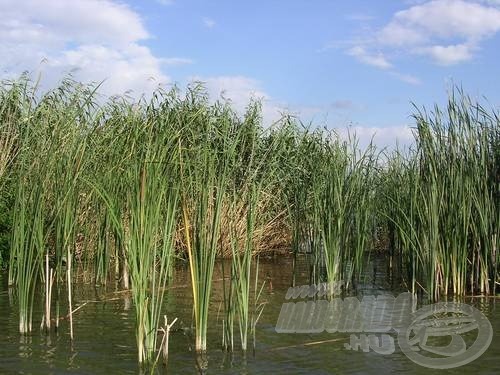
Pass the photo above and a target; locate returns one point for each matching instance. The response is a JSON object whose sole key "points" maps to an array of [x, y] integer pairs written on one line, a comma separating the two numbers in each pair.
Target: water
{"points": [[105, 343]]}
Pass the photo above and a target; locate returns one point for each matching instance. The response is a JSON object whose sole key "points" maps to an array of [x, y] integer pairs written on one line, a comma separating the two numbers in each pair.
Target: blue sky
{"points": [[336, 63]]}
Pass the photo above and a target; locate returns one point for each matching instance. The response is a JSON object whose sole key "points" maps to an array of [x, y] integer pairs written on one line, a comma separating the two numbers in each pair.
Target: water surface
{"points": [[105, 343]]}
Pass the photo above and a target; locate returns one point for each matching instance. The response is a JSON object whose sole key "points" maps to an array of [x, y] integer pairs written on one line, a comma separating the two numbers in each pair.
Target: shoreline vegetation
{"points": [[126, 189]]}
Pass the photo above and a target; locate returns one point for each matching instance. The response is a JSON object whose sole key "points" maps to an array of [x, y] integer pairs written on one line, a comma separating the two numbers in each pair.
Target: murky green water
{"points": [[105, 344]]}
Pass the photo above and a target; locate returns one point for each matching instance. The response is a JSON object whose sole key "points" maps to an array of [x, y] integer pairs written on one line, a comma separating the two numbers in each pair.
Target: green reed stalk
{"points": [[146, 226], [343, 201], [28, 246], [447, 219], [205, 172], [241, 269]]}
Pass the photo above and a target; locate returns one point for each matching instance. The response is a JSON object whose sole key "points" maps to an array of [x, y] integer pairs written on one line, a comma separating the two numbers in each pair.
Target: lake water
{"points": [[105, 344]]}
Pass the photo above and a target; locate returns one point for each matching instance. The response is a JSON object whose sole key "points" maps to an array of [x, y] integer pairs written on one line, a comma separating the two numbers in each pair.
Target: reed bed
{"points": [[121, 188], [443, 200]]}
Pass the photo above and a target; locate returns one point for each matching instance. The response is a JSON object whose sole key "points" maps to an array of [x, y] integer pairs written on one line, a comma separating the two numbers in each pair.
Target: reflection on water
{"points": [[105, 343]]}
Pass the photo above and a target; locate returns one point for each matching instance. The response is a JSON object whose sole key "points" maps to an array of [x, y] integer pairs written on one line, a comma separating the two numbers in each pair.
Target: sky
{"points": [[351, 65]]}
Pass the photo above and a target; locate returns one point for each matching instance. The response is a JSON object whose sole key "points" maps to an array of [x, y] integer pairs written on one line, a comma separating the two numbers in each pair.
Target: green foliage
{"points": [[442, 200], [131, 184]]}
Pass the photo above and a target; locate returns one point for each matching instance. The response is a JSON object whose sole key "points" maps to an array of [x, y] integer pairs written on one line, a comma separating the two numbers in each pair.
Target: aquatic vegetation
{"points": [[117, 189], [242, 260], [204, 176], [445, 206]]}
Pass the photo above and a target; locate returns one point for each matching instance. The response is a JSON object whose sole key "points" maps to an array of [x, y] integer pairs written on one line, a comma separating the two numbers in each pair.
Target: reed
{"points": [[143, 211], [242, 260], [117, 187], [330, 202], [303, 183], [446, 209], [149, 246], [9, 114], [204, 174], [28, 246]]}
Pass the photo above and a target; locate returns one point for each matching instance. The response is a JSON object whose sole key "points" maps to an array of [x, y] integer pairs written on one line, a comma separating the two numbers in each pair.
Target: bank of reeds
{"points": [[118, 188], [443, 200]]}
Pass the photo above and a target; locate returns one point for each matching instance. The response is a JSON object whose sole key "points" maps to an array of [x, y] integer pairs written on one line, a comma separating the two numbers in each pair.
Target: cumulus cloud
{"points": [[78, 21], [95, 39], [239, 91], [448, 55], [446, 31], [443, 19], [131, 68]]}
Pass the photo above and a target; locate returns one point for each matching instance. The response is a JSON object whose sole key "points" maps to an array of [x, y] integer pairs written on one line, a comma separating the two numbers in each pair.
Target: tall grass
{"points": [[10, 114], [205, 170], [331, 197], [143, 210], [446, 208], [301, 194], [116, 188], [27, 249], [149, 244], [241, 269]]}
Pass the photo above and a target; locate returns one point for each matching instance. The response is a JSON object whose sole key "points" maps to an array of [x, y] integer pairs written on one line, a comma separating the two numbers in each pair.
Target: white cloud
{"points": [[78, 21], [397, 35], [449, 55], [131, 68], [442, 19], [240, 90], [208, 22], [447, 31], [375, 59], [387, 136], [96, 39]]}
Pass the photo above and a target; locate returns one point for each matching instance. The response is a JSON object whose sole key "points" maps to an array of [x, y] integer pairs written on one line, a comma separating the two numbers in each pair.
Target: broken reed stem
{"points": [[164, 342]]}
